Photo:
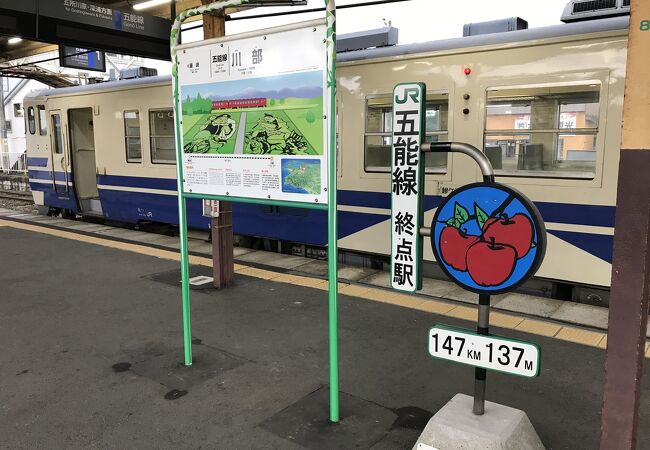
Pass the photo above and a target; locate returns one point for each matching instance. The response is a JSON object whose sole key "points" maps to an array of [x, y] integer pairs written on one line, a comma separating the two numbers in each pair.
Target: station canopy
{"points": [[108, 25]]}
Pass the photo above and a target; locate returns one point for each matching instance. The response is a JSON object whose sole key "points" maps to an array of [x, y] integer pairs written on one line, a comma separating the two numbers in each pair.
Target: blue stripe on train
{"points": [[47, 175], [309, 226], [57, 199], [164, 184], [592, 215], [306, 226], [37, 162], [599, 245]]}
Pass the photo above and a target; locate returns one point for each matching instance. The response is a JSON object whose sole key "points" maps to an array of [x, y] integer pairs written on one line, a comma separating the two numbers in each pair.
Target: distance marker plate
{"points": [[488, 352]]}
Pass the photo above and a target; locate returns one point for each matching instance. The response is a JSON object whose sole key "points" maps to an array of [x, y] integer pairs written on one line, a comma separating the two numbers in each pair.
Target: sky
{"points": [[417, 20]]}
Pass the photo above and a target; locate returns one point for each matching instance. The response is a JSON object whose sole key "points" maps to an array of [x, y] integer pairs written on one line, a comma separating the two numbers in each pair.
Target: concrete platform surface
{"points": [[92, 345]]}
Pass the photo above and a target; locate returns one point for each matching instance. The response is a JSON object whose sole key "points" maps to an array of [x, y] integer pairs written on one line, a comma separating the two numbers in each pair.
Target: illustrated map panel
{"points": [[253, 117]]}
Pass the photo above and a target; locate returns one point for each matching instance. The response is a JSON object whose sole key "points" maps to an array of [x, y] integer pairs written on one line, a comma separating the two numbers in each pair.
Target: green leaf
{"points": [[533, 245], [450, 221], [460, 213], [481, 216]]}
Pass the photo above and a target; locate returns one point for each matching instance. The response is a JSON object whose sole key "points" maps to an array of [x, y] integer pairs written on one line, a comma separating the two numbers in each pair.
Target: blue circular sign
{"points": [[488, 238]]}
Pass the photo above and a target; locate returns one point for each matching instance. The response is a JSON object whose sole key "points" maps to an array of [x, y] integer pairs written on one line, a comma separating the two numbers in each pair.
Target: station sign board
{"points": [[488, 238], [253, 115], [99, 15], [407, 185], [82, 58], [488, 352]]}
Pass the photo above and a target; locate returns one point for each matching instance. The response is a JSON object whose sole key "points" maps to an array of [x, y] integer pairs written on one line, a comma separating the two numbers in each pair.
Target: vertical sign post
{"points": [[630, 293], [488, 238], [407, 186], [277, 147]]}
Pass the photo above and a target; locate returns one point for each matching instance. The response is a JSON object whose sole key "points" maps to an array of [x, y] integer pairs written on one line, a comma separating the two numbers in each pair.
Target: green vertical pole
{"points": [[175, 35], [332, 233]]}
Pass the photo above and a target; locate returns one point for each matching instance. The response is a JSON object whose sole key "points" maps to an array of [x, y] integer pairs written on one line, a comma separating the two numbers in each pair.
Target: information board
{"points": [[407, 186], [253, 116]]}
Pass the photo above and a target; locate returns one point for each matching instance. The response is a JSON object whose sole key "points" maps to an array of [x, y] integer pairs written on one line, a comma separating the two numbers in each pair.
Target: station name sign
{"points": [[253, 116], [407, 186]]}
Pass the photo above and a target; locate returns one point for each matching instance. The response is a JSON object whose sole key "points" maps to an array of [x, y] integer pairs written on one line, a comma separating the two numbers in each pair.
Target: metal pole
{"points": [[629, 301], [175, 35], [332, 236], [332, 229], [480, 375], [483, 326], [469, 150]]}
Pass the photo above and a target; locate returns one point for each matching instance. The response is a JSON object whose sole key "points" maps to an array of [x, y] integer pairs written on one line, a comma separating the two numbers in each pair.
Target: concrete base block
{"points": [[455, 427]]}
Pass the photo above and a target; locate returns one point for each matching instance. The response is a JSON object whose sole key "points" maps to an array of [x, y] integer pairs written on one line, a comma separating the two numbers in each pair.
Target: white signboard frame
{"points": [[254, 115], [407, 184], [488, 352]]}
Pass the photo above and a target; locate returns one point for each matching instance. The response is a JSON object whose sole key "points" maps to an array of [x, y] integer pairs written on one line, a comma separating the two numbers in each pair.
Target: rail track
{"points": [[16, 195]]}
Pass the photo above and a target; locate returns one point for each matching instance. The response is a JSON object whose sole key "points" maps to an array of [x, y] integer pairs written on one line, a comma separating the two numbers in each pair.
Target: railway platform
{"points": [[92, 345]]}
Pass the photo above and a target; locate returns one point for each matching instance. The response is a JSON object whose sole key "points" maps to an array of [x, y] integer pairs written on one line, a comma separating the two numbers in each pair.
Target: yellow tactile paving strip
{"points": [[497, 319]]}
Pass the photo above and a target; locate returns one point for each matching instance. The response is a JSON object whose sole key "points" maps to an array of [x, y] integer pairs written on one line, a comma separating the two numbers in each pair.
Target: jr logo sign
{"points": [[406, 186]]}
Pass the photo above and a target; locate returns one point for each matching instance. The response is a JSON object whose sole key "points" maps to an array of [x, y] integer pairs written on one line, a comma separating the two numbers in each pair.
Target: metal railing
{"points": [[12, 162]]}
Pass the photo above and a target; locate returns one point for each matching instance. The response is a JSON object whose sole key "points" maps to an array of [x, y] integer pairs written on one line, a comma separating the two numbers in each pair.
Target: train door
{"points": [[60, 161], [84, 167]]}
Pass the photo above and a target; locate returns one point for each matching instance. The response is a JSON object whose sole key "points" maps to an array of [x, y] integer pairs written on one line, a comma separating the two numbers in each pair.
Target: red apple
{"points": [[516, 231], [453, 247], [489, 263]]}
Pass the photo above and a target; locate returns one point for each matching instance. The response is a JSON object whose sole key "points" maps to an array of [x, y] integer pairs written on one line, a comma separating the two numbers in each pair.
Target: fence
{"points": [[12, 162]]}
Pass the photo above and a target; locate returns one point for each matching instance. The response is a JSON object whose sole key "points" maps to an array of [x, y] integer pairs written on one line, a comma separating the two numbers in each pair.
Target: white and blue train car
{"points": [[545, 105]]}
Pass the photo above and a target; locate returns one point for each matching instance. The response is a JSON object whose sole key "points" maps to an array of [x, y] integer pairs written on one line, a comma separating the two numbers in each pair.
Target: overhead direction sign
{"points": [[254, 122], [488, 352], [407, 185], [82, 58]]}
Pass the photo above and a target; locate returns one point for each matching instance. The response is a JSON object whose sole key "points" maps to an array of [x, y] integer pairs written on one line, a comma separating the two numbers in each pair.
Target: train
{"points": [[544, 104], [236, 104]]}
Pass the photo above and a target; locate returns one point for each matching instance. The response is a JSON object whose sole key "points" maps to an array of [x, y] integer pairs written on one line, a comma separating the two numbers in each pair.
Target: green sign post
{"points": [[249, 150]]}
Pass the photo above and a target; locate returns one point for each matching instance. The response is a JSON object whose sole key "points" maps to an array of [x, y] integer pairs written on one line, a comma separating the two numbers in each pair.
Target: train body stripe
{"points": [[166, 184], [573, 214], [47, 175], [594, 215], [37, 162], [134, 204]]}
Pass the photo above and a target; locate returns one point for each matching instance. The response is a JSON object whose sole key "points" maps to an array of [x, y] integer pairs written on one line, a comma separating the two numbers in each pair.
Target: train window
{"points": [[132, 136], [163, 145], [42, 120], [57, 133], [379, 120], [543, 131], [31, 120]]}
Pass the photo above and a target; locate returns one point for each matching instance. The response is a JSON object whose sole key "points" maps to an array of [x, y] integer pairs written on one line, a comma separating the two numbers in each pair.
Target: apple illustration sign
{"points": [[488, 238]]}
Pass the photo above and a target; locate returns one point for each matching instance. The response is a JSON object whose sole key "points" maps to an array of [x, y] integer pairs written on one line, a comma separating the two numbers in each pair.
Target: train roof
{"points": [[511, 37]]}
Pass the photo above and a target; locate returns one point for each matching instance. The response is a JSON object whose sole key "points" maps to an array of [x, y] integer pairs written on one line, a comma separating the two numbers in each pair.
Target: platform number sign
{"points": [[407, 185]]}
